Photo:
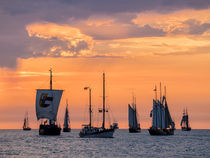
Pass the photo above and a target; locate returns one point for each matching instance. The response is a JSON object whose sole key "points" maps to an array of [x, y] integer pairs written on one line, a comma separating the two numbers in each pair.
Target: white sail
{"points": [[154, 116], [47, 103], [131, 116]]}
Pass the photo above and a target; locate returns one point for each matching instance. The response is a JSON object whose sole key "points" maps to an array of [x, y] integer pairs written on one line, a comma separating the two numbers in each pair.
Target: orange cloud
{"points": [[172, 21], [66, 40]]}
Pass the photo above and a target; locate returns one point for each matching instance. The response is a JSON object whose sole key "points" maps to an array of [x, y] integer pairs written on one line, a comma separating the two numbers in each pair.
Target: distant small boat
{"points": [[162, 123], [88, 131], [47, 104], [66, 125], [26, 123], [134, 126], [185, 121]]}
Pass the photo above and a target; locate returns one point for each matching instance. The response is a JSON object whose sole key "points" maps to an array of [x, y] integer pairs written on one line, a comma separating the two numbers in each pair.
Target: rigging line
{"points": [[107, 98], [97, 113], [43, 83], [57, 83], [110, 113]]}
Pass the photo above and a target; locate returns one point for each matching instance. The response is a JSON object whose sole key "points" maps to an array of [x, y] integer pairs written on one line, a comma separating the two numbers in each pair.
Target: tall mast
{"points": [[50, 79], [165, 92], [135, 111], [50, 121], [27, 119], [155, 105], [133, 104], [103, 124], [67, 114], [186, 111], [155, 93], [160, 106], [90, 111], [160, 93]]}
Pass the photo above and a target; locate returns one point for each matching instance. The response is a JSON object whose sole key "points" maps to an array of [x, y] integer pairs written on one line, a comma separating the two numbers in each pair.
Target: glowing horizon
{"points": [[137, 45]]}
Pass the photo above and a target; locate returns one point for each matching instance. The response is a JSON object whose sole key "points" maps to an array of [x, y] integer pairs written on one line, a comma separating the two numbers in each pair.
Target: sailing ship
{"points": [[162, 123], [88, 131], [47, 104], [185, 121], [134, 126], [66, 125], [26, 123]]}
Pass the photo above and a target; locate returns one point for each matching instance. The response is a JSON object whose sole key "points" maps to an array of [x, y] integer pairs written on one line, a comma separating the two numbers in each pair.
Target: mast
{"points": [[24, 122], [155, 93], [165, 92], [160, 106], [160, 93], [90, 110], [134, 115], [66, 117], [164, 107], [26, 119], [103, 124], [187, 118], [155, 105], [50, 79], [50, 121]]}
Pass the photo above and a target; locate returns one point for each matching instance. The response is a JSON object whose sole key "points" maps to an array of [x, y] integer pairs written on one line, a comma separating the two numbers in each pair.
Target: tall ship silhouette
{"points": [[88, 131], [66, 125], [185, 121], [26, 126], [134, 126], [47, 104], [162, 123]]}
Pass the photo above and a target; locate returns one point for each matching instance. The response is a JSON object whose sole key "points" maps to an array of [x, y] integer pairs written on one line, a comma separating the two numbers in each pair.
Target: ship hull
{"points": [[49, 130], [27, 129], [134, 130], [160, 132], [66, 129], [106, 133], [186, 129]]}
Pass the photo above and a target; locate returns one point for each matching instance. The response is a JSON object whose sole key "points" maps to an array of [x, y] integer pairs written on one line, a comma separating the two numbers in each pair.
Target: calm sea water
{"points": [[18, 143]]}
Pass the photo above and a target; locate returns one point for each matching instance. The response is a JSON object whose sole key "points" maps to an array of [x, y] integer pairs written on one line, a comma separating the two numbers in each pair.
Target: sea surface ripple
{"points": [[28, 144]]}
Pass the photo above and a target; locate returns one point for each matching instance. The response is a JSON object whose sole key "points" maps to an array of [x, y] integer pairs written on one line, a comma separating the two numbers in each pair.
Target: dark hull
{"points": [[106, 133], [49, 130], [134, 130], [186, 129], [66, 129], [27, 129], [160, 132]]}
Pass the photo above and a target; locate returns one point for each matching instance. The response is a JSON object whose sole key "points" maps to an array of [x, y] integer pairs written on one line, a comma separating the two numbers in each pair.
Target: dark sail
{"points": [[134, 126], [185, 121], [26, 123], [168, 116], [162, 123]]}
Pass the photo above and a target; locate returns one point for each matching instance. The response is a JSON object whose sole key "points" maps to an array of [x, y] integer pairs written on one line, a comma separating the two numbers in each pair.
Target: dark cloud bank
{"points": [[15, 15]]}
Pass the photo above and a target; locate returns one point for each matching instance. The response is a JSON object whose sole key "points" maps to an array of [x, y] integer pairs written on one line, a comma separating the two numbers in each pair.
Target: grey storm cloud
{"points": [[125, 31], [194, 27], [15, 15]]}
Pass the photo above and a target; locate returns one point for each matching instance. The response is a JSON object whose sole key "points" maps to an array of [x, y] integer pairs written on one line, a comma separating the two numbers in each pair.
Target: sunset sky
{"points": [[137, 43]]}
